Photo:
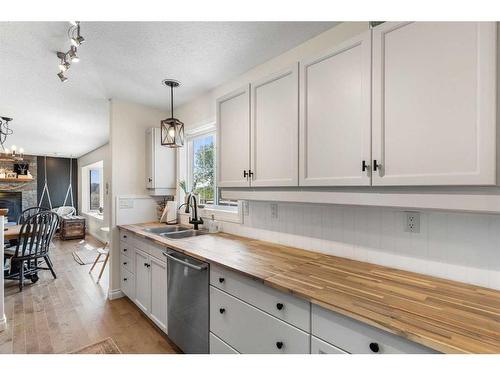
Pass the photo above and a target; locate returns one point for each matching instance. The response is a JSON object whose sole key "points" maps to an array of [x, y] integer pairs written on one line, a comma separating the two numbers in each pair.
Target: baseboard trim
{"points": [[3, 323], [115, 294]]}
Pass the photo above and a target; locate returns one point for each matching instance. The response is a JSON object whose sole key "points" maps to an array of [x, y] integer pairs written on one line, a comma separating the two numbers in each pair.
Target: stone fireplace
{"points": [[27, 190], [13, 201]]}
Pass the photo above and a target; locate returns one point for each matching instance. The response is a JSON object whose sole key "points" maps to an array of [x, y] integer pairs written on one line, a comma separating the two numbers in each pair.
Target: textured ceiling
{"points": [[125, 60]]}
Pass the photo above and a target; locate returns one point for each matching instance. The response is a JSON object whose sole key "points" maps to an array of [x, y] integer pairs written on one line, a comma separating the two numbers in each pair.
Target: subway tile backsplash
{"points": [[459, 246]]}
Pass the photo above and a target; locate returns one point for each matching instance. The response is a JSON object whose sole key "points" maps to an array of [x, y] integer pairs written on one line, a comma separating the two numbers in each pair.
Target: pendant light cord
{"points": [[172, 100]]}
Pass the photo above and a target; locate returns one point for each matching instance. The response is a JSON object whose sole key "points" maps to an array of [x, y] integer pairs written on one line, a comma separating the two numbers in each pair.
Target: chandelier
{"points": [[66, 58], [7, 154], [172, 129]]}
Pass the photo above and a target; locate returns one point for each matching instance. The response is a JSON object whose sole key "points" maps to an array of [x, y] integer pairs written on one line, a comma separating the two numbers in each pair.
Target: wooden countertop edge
{"points": [[427, 341]]}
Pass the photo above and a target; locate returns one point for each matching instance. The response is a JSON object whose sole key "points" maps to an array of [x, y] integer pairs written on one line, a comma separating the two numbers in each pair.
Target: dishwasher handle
{"points": [[187, 264]]}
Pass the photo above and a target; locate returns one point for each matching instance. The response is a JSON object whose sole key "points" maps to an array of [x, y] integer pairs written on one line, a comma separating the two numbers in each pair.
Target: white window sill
{"points": [[94, 215]]}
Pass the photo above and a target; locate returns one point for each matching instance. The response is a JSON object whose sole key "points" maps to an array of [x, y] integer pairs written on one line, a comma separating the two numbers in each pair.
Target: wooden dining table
{"points": [[11, 232]]}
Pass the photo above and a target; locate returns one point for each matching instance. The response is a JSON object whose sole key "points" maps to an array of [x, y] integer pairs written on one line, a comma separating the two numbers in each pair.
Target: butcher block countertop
{"points": [[445, 315]]}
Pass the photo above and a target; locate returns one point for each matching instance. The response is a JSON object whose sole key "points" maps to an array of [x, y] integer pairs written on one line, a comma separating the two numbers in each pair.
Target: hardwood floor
{"points": [[62, 315]]}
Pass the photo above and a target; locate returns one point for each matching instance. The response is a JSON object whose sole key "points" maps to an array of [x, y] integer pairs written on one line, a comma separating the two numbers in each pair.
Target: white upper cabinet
{"points": [[335, 99], [274, 129], [233, 138], [434, 103], [160, 163]]}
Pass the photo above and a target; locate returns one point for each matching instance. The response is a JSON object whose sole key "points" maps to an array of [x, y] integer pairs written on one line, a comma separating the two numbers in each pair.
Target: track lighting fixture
{"points": [[71, 56]]}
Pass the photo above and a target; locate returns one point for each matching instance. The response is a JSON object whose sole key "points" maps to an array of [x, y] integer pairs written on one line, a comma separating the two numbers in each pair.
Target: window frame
{"points": [[101, 188], [229, 213]]}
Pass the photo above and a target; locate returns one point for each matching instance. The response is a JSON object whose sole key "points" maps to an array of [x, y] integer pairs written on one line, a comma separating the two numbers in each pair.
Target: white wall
{"points": [[128, 124], [202, 109], [94, 224], [463, 247], [459, 246]]}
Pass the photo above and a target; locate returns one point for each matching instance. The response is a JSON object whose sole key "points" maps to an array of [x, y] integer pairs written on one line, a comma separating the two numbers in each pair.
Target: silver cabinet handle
{"points": [[198, 268]]}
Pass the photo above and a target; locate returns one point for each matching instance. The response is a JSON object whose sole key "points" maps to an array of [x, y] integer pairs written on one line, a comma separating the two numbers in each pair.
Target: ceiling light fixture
{"points": [[71, 56], [172, 129], [5, 131]]}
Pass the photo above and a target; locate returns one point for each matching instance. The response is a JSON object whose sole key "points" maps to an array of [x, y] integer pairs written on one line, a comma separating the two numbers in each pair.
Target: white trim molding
{"points": [[115, 294], [3, 323]]}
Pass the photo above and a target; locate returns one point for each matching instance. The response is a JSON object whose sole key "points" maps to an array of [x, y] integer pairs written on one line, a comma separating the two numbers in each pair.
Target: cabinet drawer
{"points": [[127, 283], [322, 347], [157, 251], [217, 346], [124, 236], [281, 305], [359, 338], [250, 330], [127, 263], [127, 249]]}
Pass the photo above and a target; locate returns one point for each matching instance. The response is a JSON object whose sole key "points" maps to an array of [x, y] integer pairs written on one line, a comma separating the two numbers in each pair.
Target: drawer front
{"points": [[127, 283], [359, 338], [157, 251], [250, 330], [322, 347], [124, 236], [217, 346], [127, 263], [127, 249], [281, 305]]}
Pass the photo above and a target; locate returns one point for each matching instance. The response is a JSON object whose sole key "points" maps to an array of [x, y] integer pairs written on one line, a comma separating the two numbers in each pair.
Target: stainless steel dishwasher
{"points": [[187, 297]]}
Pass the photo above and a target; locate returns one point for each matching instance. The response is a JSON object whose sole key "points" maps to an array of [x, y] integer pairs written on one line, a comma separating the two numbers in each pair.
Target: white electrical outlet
{"points": [[274, 210], [412, 222]]}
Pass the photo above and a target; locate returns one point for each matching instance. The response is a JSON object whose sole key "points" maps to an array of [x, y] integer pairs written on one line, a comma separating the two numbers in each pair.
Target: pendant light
{"points": [[172, 130]]}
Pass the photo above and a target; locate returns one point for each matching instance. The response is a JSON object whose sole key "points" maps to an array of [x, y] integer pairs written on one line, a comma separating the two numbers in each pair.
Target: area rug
{"points": [[86, 256], [106, 346]]}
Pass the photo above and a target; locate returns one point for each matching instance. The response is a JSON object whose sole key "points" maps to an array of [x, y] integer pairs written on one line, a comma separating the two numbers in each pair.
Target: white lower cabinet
{"points": [[144, 277], [250, 330], [355, 337], [127, 283], [142, 281], [217, 346], [281, 305], [319, 346]]}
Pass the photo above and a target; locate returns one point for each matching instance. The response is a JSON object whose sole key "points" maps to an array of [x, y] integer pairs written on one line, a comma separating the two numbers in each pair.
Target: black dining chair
{"points": [[33, 244], [30, 212]]}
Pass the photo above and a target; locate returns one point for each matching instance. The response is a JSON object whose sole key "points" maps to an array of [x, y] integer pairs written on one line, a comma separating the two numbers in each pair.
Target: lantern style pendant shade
{"points": [[172, 129]]}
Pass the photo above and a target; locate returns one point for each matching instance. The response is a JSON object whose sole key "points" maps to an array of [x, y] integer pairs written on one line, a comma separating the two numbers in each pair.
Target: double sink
{"points": [[176, 232]]}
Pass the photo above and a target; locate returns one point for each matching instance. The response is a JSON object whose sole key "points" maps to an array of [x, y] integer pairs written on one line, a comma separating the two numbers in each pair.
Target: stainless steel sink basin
{"points": [[184, 234], [166, 229]]}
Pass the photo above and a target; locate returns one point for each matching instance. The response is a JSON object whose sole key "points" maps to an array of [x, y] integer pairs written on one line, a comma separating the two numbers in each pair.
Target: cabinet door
{"points": [[142, 281], [164, 163], [150, 167], [274, 132], [159, 293], [335, 115], [233, 138], [434, 103]]}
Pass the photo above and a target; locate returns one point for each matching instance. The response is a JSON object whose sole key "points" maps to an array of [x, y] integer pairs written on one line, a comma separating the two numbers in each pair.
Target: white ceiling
{"points": [[125, 60]]}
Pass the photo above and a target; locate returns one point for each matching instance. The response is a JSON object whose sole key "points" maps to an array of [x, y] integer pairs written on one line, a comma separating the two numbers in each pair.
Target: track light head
{"points": [[77, 41], [64, 66], [73, 55], [62, 77]]}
